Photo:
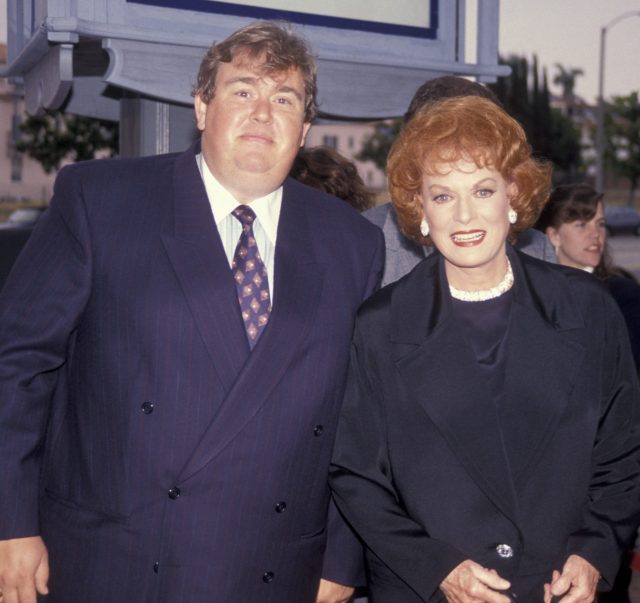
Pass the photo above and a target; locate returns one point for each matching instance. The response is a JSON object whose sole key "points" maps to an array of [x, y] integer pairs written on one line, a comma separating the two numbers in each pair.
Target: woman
{"points": [[488, 445], [325, 169], [573, 219]]}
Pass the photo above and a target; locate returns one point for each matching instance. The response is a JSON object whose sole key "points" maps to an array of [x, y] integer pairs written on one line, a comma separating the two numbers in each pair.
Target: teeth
{"points": [[467, 237]]}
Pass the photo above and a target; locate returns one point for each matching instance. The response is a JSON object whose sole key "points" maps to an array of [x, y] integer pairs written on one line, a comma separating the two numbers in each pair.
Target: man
{"points": [[171, 378], [402, 254]]}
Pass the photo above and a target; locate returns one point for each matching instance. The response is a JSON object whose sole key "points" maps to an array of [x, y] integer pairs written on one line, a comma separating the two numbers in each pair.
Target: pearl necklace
{"points": [[474, 296]]}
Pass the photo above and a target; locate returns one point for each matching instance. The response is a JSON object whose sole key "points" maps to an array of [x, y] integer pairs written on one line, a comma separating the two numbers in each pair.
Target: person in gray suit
{"points": [[402, 254]]}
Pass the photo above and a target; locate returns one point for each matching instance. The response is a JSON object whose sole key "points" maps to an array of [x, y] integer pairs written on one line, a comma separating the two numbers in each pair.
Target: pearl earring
{"points": [[424, 228], [513, 215]]}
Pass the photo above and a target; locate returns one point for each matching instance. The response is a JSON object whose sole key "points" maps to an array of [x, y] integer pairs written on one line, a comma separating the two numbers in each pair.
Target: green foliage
{"points": [[376, 147], [622, 132], [54, 136], [525, 96], [552, 135]]}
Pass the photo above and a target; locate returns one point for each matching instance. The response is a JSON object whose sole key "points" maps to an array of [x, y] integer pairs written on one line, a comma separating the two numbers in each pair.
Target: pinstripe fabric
{"points": [[122, 311]]}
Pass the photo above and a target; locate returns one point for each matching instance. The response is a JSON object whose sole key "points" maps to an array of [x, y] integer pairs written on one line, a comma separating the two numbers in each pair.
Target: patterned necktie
{"points": [[251, 278]]}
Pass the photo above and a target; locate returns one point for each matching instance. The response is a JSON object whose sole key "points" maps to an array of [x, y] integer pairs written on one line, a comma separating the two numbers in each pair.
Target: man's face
{"points": [[253, 127]]}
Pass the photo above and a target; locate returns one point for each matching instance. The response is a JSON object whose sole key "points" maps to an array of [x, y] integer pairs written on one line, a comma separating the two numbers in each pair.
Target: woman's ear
{"points": [[553, 236]]}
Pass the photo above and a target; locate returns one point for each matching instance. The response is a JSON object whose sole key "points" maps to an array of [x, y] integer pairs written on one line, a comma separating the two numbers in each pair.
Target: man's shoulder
{"points": [[118, 166], [379, 214], [536, 244], [325, 209]]}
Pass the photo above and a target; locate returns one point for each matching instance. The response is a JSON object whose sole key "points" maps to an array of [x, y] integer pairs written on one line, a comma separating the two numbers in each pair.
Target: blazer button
{"points": [[268, 577], [156, 566], [281, 507], [504, 551], [147, 407], [317, 430], [174, 492]]}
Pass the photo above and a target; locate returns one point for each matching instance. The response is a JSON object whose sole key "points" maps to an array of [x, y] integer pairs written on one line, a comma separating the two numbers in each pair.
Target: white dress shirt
{"points": [[265, 226]]}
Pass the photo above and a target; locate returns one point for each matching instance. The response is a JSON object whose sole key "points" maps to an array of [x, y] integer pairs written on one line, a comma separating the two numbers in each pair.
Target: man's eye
{"points": [[283, 100]]}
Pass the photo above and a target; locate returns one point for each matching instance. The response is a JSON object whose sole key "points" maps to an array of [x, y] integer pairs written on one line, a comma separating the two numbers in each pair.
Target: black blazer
{"points": [[425, 475]]}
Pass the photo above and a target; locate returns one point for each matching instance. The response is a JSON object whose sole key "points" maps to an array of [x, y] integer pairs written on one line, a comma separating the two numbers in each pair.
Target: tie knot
{"points": [[245, 214]]}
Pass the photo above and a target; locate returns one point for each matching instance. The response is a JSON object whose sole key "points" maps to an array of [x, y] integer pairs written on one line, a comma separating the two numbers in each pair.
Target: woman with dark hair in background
{"points": [[325, 169], [573, 219]]}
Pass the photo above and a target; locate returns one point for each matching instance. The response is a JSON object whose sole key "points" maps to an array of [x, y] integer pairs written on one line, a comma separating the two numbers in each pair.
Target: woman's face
{"points": [[466, 208], [580, 243]]}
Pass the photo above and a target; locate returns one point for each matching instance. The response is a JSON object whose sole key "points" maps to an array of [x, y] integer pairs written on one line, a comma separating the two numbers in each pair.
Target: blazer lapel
{"points": [[440, 373], [298, 285], [544, 357], [193, 245]]}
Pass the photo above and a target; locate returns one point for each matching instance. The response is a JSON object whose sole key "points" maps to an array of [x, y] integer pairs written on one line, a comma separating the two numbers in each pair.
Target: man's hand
{"points": [[24, 569], [331, 592], [577, 582], [472, 583]]}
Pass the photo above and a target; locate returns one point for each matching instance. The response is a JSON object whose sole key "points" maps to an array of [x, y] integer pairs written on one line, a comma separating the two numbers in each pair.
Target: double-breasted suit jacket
{"points": [[175, 465], [430, 471]]}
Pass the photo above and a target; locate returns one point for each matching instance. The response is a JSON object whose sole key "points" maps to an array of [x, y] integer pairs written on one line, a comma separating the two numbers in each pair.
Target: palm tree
{"points": [[567, 79]]}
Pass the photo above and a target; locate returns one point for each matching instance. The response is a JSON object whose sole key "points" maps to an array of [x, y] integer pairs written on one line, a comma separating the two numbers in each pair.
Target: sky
{"points": [[561, 31], [568, 32]]}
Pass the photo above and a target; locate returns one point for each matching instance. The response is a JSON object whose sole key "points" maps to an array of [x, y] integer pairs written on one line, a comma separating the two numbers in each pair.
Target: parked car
{"points": [[25, 217], [622, 220]]}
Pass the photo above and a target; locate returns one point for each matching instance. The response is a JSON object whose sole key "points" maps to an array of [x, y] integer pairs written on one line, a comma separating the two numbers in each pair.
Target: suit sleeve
{"points": [[39, 309], [343, 558], [612, 513], [361, 477]]}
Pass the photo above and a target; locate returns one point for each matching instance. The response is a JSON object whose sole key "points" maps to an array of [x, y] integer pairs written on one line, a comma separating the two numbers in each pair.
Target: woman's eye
{"points": [[441, 198], [485, 192]]}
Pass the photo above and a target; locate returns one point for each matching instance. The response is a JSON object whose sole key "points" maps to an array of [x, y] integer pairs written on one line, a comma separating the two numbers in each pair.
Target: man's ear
{"points": [[201, 111], [305, 130]]}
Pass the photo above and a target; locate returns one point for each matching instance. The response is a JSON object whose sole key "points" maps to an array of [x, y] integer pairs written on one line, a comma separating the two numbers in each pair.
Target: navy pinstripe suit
{"points": [[159, 459]]}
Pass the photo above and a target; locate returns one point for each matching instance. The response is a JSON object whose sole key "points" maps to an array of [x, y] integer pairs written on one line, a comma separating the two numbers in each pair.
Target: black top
{"points": [[484, 325], [626, 292]]}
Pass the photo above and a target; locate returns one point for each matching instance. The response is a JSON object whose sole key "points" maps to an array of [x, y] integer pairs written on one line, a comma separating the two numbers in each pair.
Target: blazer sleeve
{"points": [[361, 477], [39, 309], [343, 558], [612, 512]]}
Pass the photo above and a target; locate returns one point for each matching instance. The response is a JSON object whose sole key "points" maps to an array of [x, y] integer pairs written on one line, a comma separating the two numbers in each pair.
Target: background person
{"points": [[488, 444], [402, 253], [170, 383], [574, 221], [325, 169]]}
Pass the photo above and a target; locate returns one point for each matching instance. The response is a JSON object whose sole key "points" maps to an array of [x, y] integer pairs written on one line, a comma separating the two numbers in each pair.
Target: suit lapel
{"points": [[441, 375], [195, 250], [298, 284]]}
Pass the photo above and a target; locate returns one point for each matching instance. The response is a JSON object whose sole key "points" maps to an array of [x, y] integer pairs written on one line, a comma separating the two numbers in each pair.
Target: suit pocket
{"points": [[63, 508]]}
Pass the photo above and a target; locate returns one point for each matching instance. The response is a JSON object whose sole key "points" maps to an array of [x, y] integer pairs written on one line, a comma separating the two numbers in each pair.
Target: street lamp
{"points": [[600, 123]]}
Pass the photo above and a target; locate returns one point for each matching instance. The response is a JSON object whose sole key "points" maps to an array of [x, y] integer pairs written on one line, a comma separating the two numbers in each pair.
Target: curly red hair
{"points": [[466, 128]]}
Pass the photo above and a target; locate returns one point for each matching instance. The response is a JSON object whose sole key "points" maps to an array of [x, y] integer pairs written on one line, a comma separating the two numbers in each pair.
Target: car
{"points": [[622, 220], [24, 217]]}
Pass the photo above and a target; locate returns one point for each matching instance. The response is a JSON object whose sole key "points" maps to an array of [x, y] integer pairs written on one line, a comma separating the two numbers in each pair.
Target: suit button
{"points": [[317, 430], [156, 566], [504, 551], [281, 507], [268, 577], [147, 407], [174, 492]]}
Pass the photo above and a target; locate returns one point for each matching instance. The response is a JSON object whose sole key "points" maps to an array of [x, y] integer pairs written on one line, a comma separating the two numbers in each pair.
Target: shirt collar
{"points": [[267, 208]]}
